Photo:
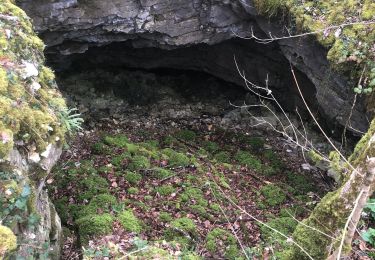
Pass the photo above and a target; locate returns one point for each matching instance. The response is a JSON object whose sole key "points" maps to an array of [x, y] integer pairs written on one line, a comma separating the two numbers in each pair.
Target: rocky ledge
{"points": [[70, 27]]}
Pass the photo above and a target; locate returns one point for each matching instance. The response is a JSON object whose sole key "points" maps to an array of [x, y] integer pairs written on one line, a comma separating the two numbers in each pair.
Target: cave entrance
{"points": [[201, 74]]}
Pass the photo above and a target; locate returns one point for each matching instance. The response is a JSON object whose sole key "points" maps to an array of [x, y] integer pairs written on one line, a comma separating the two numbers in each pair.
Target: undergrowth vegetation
{"points": [[169, 194]]}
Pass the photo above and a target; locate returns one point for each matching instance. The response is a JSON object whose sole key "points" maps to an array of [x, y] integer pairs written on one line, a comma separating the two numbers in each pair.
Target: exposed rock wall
{"points": [[72, 26], [31, 136]]}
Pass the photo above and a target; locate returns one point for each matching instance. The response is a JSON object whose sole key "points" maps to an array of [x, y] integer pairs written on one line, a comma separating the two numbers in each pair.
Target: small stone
{"points": [[35, 86], [8, 33], [47, 152], [306, 167], [30, 70], [34, 157]]}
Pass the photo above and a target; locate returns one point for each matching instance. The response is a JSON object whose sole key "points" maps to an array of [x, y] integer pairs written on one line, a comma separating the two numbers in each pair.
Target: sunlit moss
{"points": [[30, 113], [8, 241]]}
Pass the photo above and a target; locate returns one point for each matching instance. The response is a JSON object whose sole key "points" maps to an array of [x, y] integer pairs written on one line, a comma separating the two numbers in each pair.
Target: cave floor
{"points": [[179, 189]]}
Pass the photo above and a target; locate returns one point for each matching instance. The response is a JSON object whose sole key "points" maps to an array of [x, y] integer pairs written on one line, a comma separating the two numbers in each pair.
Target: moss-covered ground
{"points": [[171, 190]]}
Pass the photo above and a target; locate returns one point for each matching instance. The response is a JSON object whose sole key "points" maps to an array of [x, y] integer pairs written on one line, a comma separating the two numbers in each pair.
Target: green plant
{"points": [[369, 236], [71, 120], [370, 207]]}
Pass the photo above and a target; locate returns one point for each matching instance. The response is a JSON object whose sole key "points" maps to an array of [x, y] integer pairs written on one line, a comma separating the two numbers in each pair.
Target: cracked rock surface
{"points": [[73, 27]]}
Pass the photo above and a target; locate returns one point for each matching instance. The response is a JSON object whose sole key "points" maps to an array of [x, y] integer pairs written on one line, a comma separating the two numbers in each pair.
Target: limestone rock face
{"points": [[70, 27], [31, 134], [45, 235]]}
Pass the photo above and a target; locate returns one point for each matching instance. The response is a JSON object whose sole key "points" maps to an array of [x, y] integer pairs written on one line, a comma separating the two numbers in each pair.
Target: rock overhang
{"points": [[75, 27]]}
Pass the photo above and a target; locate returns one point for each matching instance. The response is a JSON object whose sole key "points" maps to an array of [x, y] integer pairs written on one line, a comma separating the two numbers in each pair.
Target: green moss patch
{"points": [[186, 135], [129, 221], [284, 225], [273, 195], [246, 158], [140, 189], [133, 177], [221, 240], [176, 158], [139, 162], [223, 157], [165, 190], [93, 225]]}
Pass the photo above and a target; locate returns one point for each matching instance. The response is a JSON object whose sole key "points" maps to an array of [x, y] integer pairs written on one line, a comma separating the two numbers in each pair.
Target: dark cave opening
{"points": [[197, 72], [192, 67]]}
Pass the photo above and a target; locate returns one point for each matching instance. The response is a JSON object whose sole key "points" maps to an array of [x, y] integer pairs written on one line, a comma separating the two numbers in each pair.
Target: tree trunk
{"points": [[332, 212]]}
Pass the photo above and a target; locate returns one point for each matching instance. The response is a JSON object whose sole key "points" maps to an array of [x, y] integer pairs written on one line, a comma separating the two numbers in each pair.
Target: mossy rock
{"points": [[129, 221], [93, 225], [273, 195], [8, 241], [139, 162], [221, 240], [270, 171], [256, 143], [133, 177], [165, 190], [223, 157], [185, 224], [31, 107], [246, 158]]}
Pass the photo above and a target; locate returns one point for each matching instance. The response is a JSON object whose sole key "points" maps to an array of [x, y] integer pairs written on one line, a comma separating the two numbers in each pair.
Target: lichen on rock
{"points": [[30, 102]]}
